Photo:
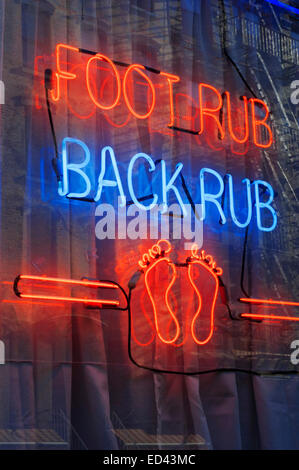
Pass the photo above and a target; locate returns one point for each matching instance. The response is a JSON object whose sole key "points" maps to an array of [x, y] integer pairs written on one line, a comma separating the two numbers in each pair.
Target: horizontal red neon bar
{"points": [[70, 282], [98, 302], [268, 317], [270, 302], [85, 283]]}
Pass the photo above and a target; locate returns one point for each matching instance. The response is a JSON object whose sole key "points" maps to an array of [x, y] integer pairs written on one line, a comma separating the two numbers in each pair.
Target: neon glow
{"points": [[208, 197], [166, 297], [264, 205], [232, 205], [138, 68], [98, 302], [269, 302], [72, 282], [229, 120], [130, 180], [109, 183], [170, 185], [56, 97], [82, 282], [102, 57], [74, 167], [208, 259], [156, 255], [208, 263], [62, 73], [170, 80], [258, 316], [154, 252], [166, 185], [260, 123], [205, 109]]}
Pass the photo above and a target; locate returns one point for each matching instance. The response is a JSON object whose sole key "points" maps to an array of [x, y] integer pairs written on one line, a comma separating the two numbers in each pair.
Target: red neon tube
{"points": [[239, 140], [198, 311], [116, 100], [99, 302], [170, 80], [85, 283], [138, 68], [269, 301], [260, 123], [61, 73], [270, 317], [207, 111], [157, 253], [69, 281], [166, 297]]}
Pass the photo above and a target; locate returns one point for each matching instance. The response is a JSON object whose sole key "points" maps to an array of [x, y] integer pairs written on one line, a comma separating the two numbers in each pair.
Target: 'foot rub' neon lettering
{"points": [[259, 198], [205, 91]]}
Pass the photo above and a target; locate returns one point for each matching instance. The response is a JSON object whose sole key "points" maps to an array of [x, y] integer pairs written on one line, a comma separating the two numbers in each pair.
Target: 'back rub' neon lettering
{"points": [[263, 192], [206, 93]]}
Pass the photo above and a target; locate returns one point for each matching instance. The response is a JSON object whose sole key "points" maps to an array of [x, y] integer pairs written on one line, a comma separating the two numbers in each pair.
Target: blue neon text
{"points": [[266, 217]]}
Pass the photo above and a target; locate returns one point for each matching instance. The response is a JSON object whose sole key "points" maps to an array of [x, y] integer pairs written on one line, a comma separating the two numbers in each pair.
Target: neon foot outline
{"points": [[157, 255], [207, 262]]}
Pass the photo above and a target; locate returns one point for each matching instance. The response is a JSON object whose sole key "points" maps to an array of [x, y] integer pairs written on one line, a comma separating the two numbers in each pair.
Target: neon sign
{"points": [[209, 268], [157, 258], [201, 268], [271, 302], [260, 316], [203, 276], [101, 303], [167, 185], [157, 255], [210, 101]]}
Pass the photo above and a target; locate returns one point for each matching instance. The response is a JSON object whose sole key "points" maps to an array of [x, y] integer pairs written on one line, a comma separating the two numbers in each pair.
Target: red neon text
{"points": [[214, 109]]}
